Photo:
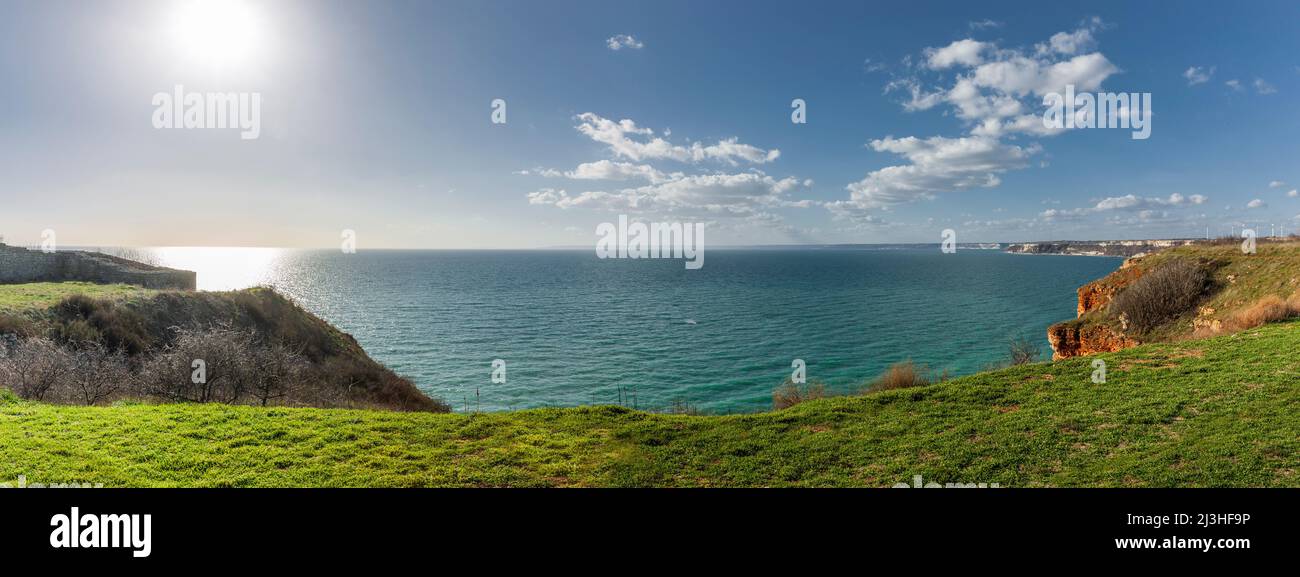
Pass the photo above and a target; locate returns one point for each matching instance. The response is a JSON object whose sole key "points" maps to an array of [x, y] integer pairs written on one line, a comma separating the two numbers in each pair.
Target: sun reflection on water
{"points": [[224, 268]]}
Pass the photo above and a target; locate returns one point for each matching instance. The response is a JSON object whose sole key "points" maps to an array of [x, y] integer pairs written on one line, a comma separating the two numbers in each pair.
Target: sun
{"points": [[218, 34]]}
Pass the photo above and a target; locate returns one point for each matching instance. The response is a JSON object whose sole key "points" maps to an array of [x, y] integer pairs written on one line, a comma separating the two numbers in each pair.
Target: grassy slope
{"points": [[1219, 412], [19, 297]]}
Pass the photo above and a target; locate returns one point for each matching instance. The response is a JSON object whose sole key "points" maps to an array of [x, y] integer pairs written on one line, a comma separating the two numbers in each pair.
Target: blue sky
{"points": [[376, 117]]}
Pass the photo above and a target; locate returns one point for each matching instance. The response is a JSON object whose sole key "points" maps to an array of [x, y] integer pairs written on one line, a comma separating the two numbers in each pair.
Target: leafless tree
{"points": [[228, 365], [280, 369], [97, 374], [33, 367]]}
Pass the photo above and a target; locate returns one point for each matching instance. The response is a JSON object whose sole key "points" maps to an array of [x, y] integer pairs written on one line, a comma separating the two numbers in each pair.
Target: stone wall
{"points": [[18, 265]]}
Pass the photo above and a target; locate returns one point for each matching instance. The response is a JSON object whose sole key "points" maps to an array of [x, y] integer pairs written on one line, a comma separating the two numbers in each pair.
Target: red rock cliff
{"points": [[1074, 338]]}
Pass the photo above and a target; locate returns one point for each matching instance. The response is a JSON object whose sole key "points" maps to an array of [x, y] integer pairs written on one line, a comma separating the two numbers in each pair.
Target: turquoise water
{"points": [[573, 329]]}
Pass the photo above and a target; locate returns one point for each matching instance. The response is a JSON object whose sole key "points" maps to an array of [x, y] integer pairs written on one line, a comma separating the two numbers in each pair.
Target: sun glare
{"points": [[224, 268], [217, 33]]}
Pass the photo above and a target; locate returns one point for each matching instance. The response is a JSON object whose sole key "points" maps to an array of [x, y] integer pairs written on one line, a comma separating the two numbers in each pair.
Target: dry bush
{"points": [[901, 375], [1160, 295], [280, 372], [790, 394], [236, 368], [1269, 309], [97, 375], [16, 325], [1023, 352], [227, 367], [32, 368]]}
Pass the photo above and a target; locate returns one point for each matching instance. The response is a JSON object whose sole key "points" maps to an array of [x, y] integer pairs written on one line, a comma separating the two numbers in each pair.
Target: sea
{"points": [[492, 330]]}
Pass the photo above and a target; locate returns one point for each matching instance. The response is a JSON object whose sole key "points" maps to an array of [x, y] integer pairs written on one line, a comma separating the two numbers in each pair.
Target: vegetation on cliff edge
{"points": [[144, 325], [1214, 412]]}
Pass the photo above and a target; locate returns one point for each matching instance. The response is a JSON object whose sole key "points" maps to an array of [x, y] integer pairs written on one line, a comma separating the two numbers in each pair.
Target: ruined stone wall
{"points": [[18, 265]]}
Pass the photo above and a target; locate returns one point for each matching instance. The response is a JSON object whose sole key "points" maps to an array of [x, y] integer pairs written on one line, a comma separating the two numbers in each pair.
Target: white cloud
{"points": [[869, 66], [1293, 193], [985, 24], [1022, 75], [547, 196], [627, 140], [746, 194], [1276, 184], [1131, 201], [1256, 203], [1263, 87], [1147, 208], [919, 98], [1069, 42], [964, 52], [1233, 84], [621, 41], [938, 165], [992, 90], [747, 197], [608, 170], [1198, 75]]}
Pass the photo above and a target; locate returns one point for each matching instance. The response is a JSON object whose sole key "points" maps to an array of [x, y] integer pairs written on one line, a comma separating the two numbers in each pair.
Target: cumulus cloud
{"points": [[1263, 87], [964, 52], [937, 164], [1256, 203], [996, 92], [1198, 75], [1069, 42], [1145, 207], [621, 41], [996, 89], [1276, 184], [747, 196], [1234, 84], [627, 140], [1293, 193], [608, 170]]}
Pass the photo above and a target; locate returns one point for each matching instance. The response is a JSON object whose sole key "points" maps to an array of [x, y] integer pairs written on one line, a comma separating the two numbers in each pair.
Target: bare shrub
{"points": [[1023, 352], [790, 394], [280, 370], [902, 375], [33, 367], [235, 368], [1160, 295], [97, 375], [209, 366]]}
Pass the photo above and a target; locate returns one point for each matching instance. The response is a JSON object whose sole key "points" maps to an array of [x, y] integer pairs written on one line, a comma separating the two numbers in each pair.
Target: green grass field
{"points": [[18, 297], [1219, 412]]}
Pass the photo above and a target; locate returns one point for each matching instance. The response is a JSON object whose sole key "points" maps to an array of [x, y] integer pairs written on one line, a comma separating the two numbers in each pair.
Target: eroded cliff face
{"points": [[1074, 340], [1097, 294], [1080, 337]]}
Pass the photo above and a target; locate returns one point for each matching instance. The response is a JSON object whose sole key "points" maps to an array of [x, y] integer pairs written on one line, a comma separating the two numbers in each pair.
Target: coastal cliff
{"points": [[1239, 289], [1126, 248], [1083, 335]]}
